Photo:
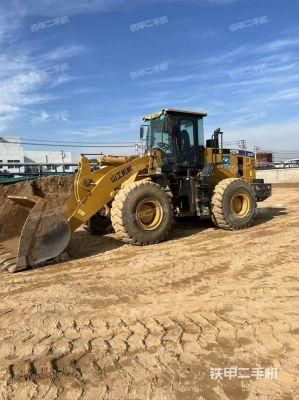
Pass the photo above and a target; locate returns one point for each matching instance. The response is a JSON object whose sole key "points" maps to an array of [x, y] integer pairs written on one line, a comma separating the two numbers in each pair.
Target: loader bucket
{"points": [[31, 233]]}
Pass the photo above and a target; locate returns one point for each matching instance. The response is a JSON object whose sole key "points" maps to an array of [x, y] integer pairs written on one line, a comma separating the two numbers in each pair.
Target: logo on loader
{"points": [[226, 161], [121, 174]]}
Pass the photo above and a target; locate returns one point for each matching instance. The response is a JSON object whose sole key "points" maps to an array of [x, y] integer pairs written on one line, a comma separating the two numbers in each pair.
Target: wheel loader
{"points": [[178, 175]]}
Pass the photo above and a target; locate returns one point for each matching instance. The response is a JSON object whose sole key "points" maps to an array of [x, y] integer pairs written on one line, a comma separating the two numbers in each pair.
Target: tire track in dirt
{"points": [[126, 359], [100, 353], [148, 323]]}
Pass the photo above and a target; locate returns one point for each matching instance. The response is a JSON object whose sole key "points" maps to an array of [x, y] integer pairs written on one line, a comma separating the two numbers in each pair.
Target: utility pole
{"points": [[242, 144], [256, 150], [46, 158], [63, 155]]}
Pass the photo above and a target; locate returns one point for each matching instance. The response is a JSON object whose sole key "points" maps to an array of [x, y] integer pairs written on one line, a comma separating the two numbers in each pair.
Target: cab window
{"points": [[185, 141]]}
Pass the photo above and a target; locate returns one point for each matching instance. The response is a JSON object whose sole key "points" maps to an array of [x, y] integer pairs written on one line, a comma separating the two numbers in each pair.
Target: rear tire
{"points": [[233, 204], [141, 213]]}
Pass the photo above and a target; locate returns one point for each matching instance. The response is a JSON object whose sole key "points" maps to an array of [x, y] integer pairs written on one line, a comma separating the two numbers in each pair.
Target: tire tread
{"points": [[119, 213], [217, 204]]}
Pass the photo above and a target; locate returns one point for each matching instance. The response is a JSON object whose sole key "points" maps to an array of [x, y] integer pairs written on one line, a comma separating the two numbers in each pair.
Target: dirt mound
{"points": [[56, 189]]}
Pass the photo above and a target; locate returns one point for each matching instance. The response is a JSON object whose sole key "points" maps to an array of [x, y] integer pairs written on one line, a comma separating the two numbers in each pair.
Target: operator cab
{"points": [[179, 136]]}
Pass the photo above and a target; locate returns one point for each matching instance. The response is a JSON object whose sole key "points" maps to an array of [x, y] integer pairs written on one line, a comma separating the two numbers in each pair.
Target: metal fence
{"points": [[29, 171], [276, 165]]}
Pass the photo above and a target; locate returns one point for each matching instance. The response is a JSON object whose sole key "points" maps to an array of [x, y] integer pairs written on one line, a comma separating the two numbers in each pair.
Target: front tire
{"points": [[142, 213], [233, 204]]}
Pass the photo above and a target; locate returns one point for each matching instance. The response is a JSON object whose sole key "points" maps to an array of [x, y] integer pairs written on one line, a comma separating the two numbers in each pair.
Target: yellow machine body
{"points": [[240, 166], [43, 234]]}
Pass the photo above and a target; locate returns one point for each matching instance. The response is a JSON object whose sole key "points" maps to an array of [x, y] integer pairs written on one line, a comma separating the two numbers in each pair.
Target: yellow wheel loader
{"points": [[179, 175]]}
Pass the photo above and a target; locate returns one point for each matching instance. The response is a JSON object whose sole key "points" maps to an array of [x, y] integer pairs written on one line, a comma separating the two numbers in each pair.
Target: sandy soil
{"points": [[121, 322]]}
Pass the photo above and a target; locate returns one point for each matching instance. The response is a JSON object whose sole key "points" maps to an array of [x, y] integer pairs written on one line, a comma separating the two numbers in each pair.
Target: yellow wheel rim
{"points": [[240, 205], [149, 214]]}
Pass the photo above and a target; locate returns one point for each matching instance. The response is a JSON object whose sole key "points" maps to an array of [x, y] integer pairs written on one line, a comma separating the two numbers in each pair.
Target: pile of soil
{"points": [[55, 189]]}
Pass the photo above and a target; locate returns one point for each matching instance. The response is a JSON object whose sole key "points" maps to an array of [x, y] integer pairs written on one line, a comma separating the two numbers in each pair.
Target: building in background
{"points": [[49, 157], [263, 158], [12, 151]]}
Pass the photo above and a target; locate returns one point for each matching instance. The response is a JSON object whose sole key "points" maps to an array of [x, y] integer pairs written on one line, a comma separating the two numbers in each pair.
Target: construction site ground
{"points": [[122, 322]]}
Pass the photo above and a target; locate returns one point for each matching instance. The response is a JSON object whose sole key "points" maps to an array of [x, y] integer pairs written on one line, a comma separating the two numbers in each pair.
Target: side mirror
{"points": [[141, 132]]}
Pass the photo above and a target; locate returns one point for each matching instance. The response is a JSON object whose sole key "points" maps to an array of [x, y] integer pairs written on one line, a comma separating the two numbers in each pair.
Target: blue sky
{"points": [[91, 76]]}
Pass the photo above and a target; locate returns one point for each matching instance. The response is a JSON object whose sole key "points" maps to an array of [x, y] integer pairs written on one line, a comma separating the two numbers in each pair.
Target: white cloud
{"points": [[270, 135], [8, 109], [9, 24], [62, 53], [23, 87], [23, 70], [40, 119], [45, 8], [208, 34], [11, 64], [43, 117], [250, 49], [14, 94], [226, 57], [285, 95], [278, 45], [12, 89]]}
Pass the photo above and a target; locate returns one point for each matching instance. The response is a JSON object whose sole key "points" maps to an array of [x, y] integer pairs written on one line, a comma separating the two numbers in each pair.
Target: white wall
{"points": [[277, 175], [11, 149], [49, 157]]}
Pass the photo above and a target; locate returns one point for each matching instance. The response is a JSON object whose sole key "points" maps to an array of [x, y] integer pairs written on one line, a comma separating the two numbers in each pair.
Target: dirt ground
{"points": [[123, 322]]}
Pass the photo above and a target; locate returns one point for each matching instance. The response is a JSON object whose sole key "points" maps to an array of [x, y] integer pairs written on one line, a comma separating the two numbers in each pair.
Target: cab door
{"points": [[187, 141]]}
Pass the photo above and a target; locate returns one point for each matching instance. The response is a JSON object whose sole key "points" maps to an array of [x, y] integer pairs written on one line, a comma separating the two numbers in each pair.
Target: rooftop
{"points": [[175, 112]]}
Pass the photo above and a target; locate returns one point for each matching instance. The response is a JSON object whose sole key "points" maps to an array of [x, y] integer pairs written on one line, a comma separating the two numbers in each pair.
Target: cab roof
{"points": [[173, 111]]}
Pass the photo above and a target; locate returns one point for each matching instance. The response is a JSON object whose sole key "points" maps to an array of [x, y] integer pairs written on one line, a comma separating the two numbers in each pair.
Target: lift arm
{"points": [[94, 189]]}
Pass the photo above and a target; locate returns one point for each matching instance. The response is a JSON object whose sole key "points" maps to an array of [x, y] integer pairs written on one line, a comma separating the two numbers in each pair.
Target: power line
{"points": [[65, 141], [73, 145], [58, 143]]}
